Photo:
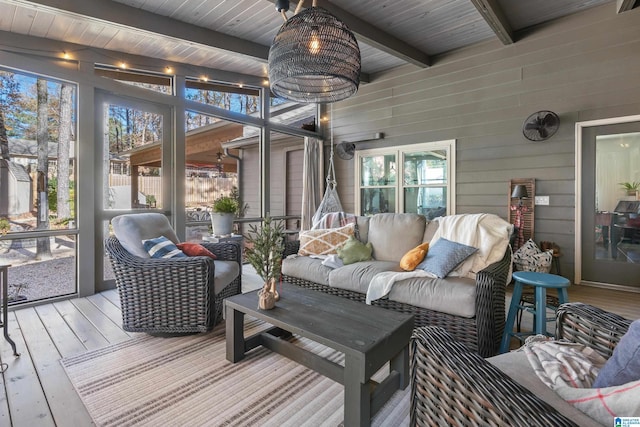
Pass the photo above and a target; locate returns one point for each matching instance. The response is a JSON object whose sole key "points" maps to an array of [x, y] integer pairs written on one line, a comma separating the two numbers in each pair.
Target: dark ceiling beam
{"points": [[131, 17], [625, 5], [494, 16], [374, 36]]}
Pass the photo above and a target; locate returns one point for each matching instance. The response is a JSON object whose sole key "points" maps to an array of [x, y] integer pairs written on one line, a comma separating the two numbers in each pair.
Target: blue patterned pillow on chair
{"points": [[161, 247], [444, 256]]}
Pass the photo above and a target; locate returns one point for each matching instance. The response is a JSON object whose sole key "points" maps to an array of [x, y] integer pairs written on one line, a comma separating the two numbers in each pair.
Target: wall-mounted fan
{"points": [[345, 150], [540, 126]]}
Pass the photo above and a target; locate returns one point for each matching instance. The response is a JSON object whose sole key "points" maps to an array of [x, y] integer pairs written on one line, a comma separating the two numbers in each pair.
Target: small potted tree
{"points": [[224, 212], [264, 253]]}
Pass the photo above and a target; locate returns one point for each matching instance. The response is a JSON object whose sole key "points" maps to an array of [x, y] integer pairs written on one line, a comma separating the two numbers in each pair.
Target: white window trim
{"points": [[448, 145]]}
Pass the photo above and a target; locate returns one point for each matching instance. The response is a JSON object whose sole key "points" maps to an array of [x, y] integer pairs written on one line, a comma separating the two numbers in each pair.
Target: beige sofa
{"points": [[471, 306]]}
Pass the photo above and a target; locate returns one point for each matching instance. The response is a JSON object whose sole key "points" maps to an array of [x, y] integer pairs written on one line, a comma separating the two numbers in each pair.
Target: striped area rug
{"points": [[187, 381]]}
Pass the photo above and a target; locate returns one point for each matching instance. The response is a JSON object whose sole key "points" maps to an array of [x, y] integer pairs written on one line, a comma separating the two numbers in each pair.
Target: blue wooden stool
{"points": [[541, 281]]}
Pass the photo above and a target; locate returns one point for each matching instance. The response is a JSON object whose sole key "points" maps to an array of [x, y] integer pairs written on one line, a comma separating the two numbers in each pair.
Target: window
{"points": [[407, 179]]}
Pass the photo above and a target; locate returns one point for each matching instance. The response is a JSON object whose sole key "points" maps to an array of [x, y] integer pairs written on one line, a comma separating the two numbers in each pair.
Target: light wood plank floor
{"points": [[35, 390]]}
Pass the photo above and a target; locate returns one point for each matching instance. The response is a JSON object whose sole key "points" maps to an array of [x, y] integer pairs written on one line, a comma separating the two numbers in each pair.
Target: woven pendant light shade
{"points": [[314, 58]]}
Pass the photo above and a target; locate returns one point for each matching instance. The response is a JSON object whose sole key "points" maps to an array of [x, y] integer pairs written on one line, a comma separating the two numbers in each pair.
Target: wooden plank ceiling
{"points": [[234, 36]]}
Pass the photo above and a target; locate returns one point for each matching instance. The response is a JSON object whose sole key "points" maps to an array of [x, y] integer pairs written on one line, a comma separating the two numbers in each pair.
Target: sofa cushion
{"points": [[324, 241], [516, 365], [356, 277], [353, 250], [445, 255], [451, 295], [132, 229], [411, 259], [393, 235], [306, 268], [362, 223], [624, 364], [430, 230]]}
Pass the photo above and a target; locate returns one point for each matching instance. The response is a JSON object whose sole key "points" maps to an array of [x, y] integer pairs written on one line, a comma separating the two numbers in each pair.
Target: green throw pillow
{"points": [[353, 250]]}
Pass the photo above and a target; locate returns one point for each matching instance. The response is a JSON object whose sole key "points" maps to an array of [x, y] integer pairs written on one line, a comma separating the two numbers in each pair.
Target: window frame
{"points": [[449, 146]]}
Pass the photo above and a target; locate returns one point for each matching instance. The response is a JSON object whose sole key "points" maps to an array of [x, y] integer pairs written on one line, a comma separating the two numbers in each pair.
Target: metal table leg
{"points": [[4, 283]]}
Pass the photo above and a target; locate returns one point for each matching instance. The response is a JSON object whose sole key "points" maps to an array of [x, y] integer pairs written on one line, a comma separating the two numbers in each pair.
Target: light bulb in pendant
{"points": [[314, 42]]}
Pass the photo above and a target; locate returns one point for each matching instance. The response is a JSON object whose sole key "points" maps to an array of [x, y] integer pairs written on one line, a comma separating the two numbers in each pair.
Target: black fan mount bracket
{"points": [[541, 125]]}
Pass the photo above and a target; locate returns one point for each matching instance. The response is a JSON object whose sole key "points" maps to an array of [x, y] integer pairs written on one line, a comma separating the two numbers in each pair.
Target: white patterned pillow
{"points": [[530, 258], [324, 241]]}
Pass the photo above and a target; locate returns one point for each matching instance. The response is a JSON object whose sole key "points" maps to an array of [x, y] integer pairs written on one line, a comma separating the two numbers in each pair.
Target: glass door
{"points": [[134, 168], [610, 206]]}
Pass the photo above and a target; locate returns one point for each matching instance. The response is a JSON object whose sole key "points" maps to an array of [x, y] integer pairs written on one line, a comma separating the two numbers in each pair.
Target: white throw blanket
{"points": [[570, 369], [487, 232]]}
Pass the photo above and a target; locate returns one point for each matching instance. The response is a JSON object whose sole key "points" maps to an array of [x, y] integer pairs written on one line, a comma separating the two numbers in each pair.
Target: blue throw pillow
{"points": [[624, 364], [161, 247], [444, 256]]}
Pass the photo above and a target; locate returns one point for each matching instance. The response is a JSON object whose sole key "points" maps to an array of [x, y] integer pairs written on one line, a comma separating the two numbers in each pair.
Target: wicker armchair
{"points": [[451, 385], [481, 333], [171, 296]]}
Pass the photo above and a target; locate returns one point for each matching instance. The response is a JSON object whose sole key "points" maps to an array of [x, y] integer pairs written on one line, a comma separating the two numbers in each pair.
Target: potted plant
{"points": [[264, 253], [224, 212], [631, 187]]}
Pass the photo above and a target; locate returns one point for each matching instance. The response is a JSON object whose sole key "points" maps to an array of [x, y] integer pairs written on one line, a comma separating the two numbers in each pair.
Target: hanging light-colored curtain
{"points": [[312, 174]]}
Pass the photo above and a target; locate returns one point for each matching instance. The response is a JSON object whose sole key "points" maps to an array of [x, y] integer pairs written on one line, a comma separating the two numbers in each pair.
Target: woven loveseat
{"points": [[452, 385], [483, 298], [170, 296]]}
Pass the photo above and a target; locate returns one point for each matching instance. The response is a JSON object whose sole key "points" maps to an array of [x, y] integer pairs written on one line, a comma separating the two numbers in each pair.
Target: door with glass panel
{"points": [[134, 165], [610, 204]]}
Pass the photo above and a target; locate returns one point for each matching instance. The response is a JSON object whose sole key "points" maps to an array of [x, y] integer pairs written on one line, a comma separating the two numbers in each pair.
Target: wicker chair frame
{"points": [[481, 333], [453, 386], [171, 296]]}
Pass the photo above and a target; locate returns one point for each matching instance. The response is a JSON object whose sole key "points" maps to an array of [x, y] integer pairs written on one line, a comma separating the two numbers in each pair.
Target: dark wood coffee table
{"points": [[368, 336]]}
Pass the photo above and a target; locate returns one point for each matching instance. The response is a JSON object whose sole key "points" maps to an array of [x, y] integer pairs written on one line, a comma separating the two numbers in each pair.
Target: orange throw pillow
{"points": [[411, 259], [195, 249]]}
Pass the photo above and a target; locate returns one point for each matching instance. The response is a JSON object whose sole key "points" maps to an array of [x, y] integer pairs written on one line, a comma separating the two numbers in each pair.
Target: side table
{"points": [[4, 284], [540, 281]]}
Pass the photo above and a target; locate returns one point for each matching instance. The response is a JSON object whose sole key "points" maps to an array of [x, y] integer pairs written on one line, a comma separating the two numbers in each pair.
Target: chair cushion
{"points": [[444, 255], [393, 235], [132, 229], [161, 247], [195, 249], [624, 364], [516, 365], [225, 273], [324, 241], [353, 250]]}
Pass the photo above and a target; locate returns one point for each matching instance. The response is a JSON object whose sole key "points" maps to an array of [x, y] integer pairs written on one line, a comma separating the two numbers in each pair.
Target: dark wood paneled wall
{"points": [[582, 67]]}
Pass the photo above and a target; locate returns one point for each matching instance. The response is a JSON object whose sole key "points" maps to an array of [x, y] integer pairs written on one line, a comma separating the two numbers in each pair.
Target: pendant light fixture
{"points": [[314, 58]]}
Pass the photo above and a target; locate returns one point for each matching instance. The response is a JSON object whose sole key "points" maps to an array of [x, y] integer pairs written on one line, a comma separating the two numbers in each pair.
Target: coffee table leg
{"points": [[357, 396], [234, 334], [400, 364]]}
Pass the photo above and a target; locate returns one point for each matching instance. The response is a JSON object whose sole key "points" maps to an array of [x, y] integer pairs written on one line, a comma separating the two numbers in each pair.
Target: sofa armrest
{"points": [[291, 247], [491, 284], [451, 385], [593, 326]]}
